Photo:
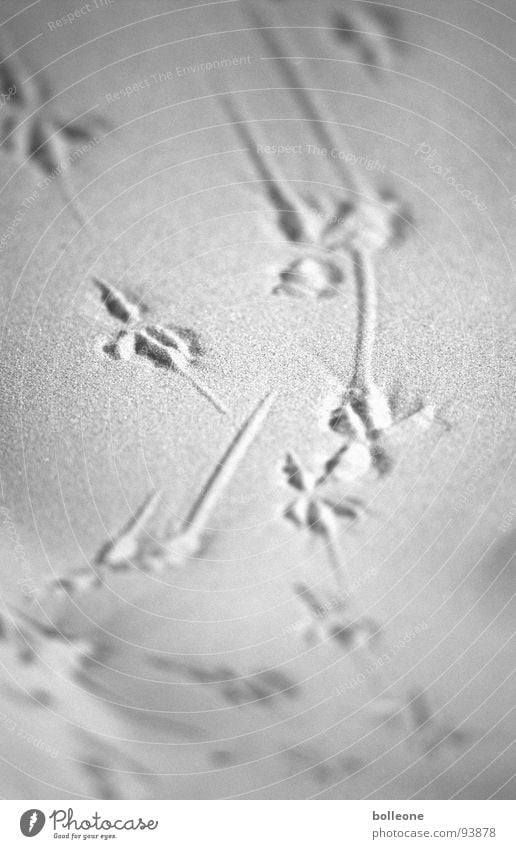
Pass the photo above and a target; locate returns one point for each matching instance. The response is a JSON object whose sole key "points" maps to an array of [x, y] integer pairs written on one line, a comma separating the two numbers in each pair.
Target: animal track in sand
{"points": [[367, 429], [134, 549], [319, 511], [351, 230], [374, 33], [41, 682], [431, 733], [359, 225], [337, 241], [336, 238], [341, 240], [311, 508], [260, 687], [165, 346], [32, 129], [334, 624], [333, 621]]}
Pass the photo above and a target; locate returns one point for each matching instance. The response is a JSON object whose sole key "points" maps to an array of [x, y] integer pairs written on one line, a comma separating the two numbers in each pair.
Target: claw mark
{"points": [[126, 546], [118, 305], [119, 554], [180, 546], [172, 347], [133, 546], [317, 511], [289, 207]]}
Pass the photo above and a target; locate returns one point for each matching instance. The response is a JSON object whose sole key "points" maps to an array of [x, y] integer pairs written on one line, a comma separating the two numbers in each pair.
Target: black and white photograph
{"points": [[257, 499]]}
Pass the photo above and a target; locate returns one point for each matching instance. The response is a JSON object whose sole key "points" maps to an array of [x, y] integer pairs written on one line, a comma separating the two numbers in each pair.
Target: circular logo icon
{"points": [[31, 822]]}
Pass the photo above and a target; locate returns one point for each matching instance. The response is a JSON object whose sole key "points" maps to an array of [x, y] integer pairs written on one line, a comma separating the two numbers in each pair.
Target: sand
{"points": [[257, 512]]}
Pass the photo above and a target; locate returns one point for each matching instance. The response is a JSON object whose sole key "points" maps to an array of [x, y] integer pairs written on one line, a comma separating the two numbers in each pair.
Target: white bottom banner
{"points": [[255, 824]]}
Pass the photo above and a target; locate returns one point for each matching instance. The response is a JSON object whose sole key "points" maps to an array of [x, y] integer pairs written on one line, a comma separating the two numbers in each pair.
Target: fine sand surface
{"points": [[257, 508]]}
